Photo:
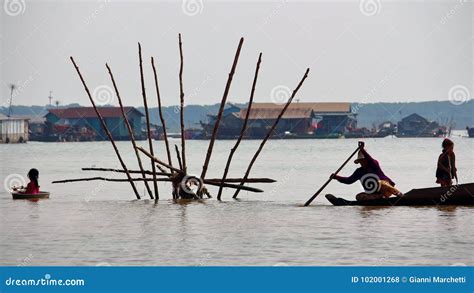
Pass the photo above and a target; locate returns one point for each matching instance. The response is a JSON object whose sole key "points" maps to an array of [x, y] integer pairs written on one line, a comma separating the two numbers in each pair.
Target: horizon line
{"points": [[239, 103]]}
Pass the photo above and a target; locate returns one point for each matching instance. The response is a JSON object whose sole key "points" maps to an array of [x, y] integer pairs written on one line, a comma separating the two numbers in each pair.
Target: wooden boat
{"points": [[40, 195], [462, 194]]}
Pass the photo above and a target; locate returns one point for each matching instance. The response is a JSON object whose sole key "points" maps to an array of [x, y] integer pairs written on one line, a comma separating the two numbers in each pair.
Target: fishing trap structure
{"points": [[185, 186]]}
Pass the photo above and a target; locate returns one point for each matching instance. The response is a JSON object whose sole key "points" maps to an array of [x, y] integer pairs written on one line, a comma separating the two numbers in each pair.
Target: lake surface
{"points": [[101, 223]]}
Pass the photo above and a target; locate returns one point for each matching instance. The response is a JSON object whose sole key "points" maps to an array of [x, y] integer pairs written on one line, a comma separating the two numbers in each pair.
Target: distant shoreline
{"points": [[368, 114]]}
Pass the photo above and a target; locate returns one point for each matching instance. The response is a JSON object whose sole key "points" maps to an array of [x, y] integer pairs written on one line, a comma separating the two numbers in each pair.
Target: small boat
{"points": [[462, 194], [20, 195]]}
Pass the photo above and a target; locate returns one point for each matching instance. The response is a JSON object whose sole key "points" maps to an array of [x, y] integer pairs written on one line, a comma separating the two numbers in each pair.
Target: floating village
{"points": [[301, 121]]}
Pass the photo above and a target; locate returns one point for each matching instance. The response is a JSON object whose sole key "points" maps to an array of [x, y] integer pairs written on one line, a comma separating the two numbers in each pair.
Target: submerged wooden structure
{"points": [[185, 186]]}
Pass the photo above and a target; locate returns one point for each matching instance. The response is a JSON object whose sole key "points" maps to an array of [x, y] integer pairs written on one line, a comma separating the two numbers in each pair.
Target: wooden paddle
{"points": [[335, 173]]}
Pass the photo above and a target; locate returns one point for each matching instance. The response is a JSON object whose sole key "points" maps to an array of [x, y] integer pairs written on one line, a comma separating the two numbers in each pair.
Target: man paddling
{"points": [[376, 184]]}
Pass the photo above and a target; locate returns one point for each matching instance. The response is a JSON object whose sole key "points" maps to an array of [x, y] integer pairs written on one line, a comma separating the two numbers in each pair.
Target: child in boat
{"points": [[374, 181], [32, 187], [446, 169]]}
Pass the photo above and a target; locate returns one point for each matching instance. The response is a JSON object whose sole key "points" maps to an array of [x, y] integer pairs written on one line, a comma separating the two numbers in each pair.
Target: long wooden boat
{"points": [[40, 195], [462, 194]]}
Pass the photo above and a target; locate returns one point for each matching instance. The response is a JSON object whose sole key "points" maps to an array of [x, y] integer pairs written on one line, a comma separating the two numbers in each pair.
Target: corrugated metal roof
{"points": [[5, 117], [272, 113], [89, 112], [32, 118], [294, 111]]}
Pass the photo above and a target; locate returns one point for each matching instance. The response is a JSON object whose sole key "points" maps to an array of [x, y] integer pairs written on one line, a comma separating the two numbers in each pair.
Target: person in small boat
{"points": [[376, 184], [446, 169], [32, 187]]}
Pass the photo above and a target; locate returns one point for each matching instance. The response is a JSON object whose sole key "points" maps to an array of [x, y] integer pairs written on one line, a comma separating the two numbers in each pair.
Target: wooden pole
{"points": [[130, 131], [330, 178], [179, 157], [147, 116], [104, 126], [270, 132], [147, 172], [221, 109], [108, 179], [161, 169], [228, 180], [244, 127], [156, 160], [181, 104], [160, 111], [238, 180], [228, 185]]}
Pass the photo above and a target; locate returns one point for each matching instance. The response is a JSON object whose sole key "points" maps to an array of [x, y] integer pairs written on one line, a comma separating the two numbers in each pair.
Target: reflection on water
{"points": [[101, 224]]}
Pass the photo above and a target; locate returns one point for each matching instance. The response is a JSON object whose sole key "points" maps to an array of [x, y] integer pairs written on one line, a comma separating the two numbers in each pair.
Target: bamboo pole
{"points": [[228, 180], [130, 131], [104, 126], [147, 116], [247, 180], [181, 103], [161, 169], [244, 127], [228, 185], [147, 172], [221, 109], [160, 111], [180, 163], [308, 202], [157, 160], [108, 179], [270, 132]]}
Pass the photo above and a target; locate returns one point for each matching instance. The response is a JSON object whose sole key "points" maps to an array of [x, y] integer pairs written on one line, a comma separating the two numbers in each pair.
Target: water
{"points": [[100, 223]]}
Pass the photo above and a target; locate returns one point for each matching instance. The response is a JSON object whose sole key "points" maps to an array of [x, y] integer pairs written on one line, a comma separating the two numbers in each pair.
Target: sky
{"points": [[357, 51]]}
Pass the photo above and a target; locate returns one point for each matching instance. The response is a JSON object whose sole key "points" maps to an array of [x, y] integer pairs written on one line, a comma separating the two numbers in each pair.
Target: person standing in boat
{"points": [[446, 169], [32, 187], [376, 184]]}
